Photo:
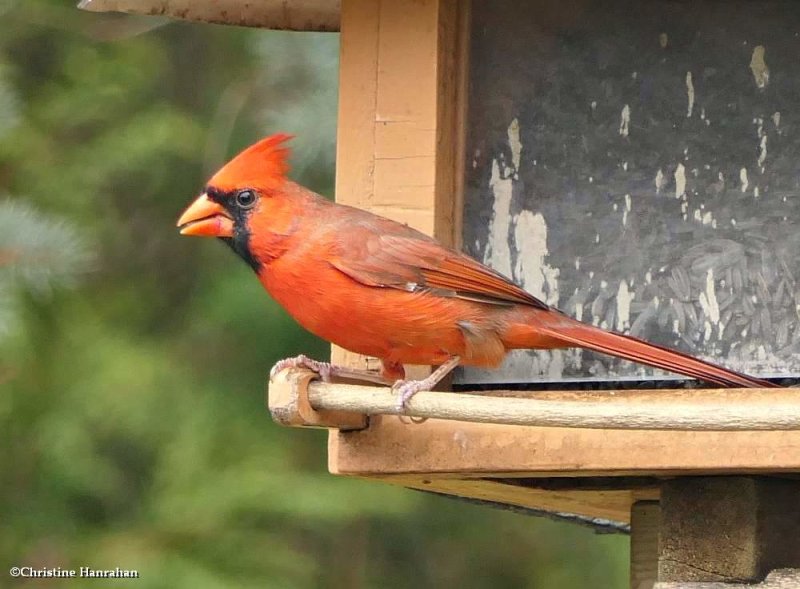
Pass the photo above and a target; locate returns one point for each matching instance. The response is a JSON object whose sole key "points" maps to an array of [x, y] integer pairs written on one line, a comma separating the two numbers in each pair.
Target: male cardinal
{"points": [[380, 288]]}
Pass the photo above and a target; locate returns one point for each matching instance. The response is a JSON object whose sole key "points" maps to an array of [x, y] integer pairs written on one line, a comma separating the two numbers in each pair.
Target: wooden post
{"points": [[400, 129], [645, 524], [727, 530]]}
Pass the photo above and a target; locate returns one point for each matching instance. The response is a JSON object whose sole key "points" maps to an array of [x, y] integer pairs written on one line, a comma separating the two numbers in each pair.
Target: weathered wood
{"points": [[728, 529], [645, 525], [679, 409], [612, 504], [399, 102], [437, 447], [289, 405], [452, 58], [356, 138], [305, 15]]}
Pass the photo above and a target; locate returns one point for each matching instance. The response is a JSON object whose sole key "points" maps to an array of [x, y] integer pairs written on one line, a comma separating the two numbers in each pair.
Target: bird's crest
{"points": [[262, 165]]}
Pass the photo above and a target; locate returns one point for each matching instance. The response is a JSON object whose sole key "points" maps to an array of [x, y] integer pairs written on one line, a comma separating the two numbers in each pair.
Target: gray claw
{"points": [[302, 361]]}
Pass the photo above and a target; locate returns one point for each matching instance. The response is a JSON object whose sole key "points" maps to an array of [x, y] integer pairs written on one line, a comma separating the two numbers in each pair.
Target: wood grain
{"points": [[728, 529], [664, 409], [645, 524], [400, 121]]}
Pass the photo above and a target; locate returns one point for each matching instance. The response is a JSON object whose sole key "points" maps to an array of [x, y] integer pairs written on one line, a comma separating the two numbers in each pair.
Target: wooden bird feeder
{"points": [[635, 164]]}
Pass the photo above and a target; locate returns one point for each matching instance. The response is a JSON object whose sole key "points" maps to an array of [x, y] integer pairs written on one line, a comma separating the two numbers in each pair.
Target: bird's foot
{"points": [[405, 389], [324, 369]]}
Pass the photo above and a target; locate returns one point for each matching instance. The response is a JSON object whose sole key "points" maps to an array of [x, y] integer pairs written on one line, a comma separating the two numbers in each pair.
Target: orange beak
{"points": [[206, 218]]}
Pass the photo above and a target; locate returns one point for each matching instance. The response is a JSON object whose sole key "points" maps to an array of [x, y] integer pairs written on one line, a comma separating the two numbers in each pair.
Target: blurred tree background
{"points": [[133, 361]]}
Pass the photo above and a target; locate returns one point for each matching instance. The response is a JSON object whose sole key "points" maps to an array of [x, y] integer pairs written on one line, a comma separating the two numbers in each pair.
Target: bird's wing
{"points": [[414, 262]]}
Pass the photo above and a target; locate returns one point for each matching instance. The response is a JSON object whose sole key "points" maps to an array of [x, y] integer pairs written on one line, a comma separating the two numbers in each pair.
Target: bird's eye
{"points": [[246, 199]]}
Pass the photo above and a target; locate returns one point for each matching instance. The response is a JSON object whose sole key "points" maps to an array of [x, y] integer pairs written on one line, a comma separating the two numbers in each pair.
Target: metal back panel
{"points": [[636, 164]]}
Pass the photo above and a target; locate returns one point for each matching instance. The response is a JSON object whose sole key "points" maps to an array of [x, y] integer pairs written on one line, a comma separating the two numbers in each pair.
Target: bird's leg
{"points": [[406, 389], [326, 370]]}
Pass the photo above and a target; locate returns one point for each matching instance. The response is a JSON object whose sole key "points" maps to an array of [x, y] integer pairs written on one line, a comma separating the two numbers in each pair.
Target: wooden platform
{"points": [[597, 472], [547, 468], [706, 508]]}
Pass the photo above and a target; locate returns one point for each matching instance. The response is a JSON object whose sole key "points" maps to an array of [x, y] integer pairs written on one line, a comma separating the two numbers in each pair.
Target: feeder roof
{"points": [[295, 15]]}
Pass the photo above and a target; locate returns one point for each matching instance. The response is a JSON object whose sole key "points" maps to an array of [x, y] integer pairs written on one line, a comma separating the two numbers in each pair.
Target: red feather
{"points": [[262, 166]]}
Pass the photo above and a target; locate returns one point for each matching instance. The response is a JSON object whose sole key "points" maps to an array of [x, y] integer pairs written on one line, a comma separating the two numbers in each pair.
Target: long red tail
{"points": [[576, 334]]}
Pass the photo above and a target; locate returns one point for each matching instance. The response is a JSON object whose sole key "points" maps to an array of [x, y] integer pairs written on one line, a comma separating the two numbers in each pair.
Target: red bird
{"points": [[383, 289]]}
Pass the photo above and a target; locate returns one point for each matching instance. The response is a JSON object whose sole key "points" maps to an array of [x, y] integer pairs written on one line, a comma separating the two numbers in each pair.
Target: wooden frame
{"points": [[400, 145], [593, 468], [400, 148]]}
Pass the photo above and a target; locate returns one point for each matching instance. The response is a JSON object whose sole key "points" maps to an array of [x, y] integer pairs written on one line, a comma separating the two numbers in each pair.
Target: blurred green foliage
{"points": [[133, 361]]}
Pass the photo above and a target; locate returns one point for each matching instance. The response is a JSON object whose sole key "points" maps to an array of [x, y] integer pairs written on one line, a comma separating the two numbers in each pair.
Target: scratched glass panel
{"points": [[637, 165]]}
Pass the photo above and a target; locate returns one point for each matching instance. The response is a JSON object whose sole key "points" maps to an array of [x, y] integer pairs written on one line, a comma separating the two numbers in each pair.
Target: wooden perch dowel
{"points": [[673, 409]]}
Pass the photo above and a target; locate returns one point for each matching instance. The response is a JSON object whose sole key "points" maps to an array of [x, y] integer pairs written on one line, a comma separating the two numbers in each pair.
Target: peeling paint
{"points": [[759, 66], [515, 144], [689, 94], [659, 180], [627, 209], [762, 155], [680, 181], [663, 39], [708, 302], [776, 120], [532, 271], [743, 179], [624, 298], [625, 120], [498, 253]]}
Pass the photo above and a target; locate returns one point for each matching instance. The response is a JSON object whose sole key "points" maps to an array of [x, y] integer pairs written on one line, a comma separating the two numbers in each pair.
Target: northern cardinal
{"points": [[381, 288]]}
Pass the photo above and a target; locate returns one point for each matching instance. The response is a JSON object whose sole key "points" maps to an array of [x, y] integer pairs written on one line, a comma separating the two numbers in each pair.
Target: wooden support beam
{"points": [[645, 525], [611, 504], [400, 127], [728, 529], [437, 447]]}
